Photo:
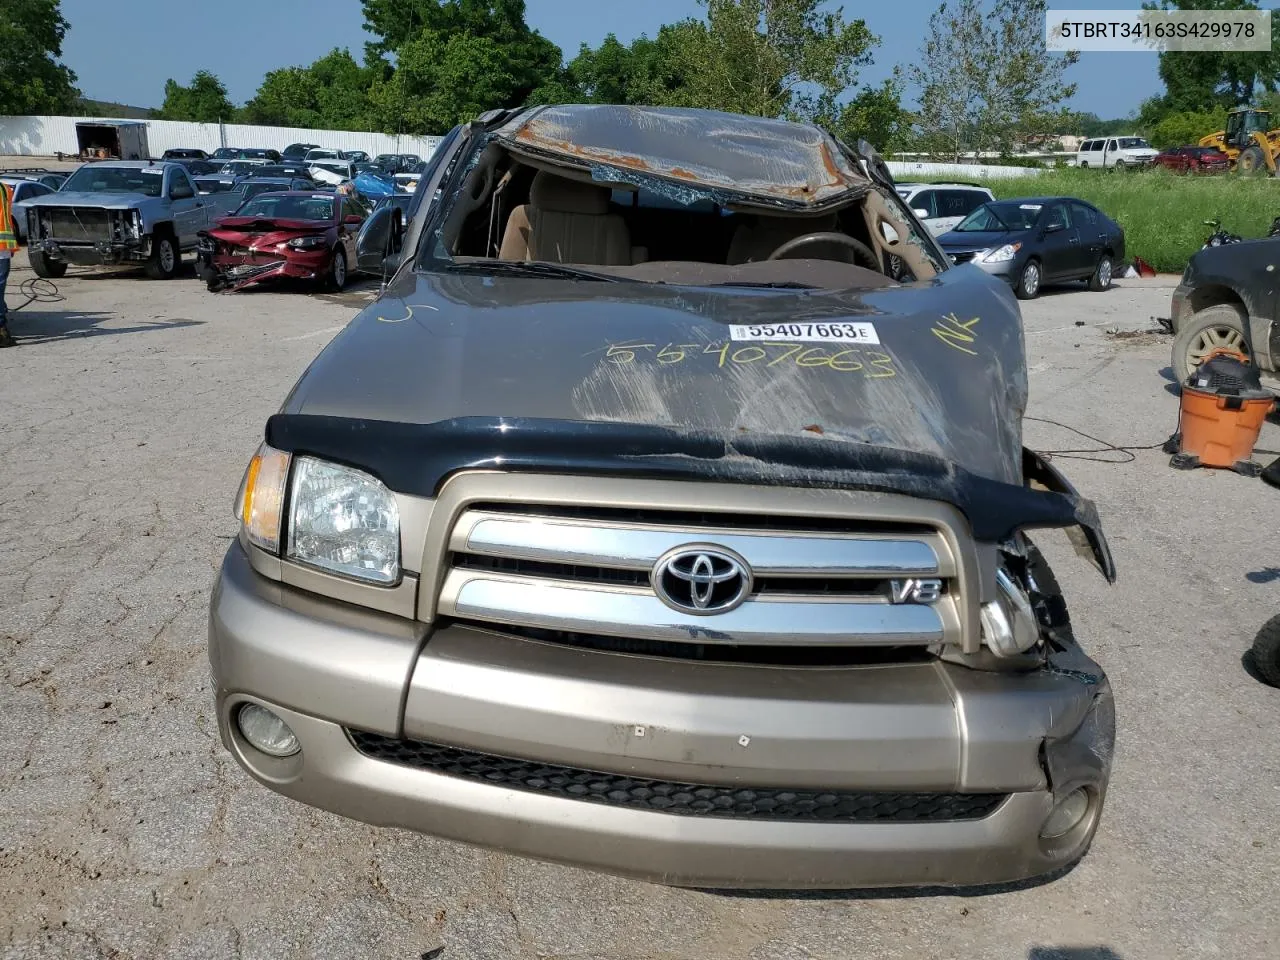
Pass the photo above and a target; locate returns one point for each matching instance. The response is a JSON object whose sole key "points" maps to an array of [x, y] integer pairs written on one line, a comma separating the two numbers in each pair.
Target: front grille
{"points": [[672, 797], [76, 225], [801, 581]]}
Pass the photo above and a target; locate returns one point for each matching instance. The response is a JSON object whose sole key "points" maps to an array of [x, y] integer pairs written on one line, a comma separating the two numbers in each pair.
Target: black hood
{"points": [[946, 381]]}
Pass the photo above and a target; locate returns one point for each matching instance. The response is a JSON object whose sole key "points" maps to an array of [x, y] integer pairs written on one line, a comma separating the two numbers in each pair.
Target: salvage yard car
{"points": [[1227, 301], [120, 211], [645, 523], [302, 234], [1038, 240]]}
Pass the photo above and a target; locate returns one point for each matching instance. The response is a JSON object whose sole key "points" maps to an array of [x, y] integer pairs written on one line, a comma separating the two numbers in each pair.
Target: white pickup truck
{"points": [[123, 211]]}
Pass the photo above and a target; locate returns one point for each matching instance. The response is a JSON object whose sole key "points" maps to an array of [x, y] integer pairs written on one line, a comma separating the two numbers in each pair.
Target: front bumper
{"points": [[102, 252], [334, 672], [239, 270], [1006, 270]]}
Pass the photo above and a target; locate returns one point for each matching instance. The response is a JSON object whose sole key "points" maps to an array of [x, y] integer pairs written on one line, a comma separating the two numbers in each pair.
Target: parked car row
{"points": [[1130, 153], [275, 220]]}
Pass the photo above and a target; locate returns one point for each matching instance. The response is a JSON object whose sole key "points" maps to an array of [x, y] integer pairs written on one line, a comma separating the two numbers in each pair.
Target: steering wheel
{"points": [[861, 251]]}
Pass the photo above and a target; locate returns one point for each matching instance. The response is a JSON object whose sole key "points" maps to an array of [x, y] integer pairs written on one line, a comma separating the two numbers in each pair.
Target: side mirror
{"points": [[920, 212]]}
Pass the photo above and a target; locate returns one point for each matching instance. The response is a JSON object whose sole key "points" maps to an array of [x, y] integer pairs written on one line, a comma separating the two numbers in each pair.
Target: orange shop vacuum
{"points": [[1221, 414]]}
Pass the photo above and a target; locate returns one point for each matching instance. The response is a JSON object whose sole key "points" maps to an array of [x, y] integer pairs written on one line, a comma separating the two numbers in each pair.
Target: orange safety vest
{"points": [[8, 238]]}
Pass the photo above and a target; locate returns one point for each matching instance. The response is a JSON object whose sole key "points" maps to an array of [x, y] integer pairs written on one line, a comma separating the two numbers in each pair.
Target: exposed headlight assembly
{"points": [[1009, 624], [340, 520], [343, 521], [1002, 254]]}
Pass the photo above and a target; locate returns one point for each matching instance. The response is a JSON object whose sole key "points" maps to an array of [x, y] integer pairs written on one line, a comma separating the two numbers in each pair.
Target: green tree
{"points": [[526, 59], [768, 58], [876, 115], [1185, 128], [645, 72], [443, 79], [32, 81], [986, 81], [205, 101], [1205, 81], [332, 93]]}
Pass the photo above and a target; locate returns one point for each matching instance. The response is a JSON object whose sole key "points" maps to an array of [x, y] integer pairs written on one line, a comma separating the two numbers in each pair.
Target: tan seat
{"points": [[566, 222], [758, 237]]}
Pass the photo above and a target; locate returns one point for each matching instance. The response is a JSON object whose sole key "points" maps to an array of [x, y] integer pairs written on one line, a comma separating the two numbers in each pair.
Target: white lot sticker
{"points": [[838, 332]]}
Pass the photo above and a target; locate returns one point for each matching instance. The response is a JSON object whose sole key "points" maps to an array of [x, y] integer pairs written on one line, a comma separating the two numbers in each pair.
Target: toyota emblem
{"points": [[701, 580]]}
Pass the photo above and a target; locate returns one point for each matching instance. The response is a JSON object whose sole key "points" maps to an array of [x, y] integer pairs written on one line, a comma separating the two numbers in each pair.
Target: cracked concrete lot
{"points": [[127, 415]]}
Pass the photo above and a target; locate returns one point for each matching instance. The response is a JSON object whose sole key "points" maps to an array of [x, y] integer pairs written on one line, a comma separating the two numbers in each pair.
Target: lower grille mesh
{"points": [[687, 799]]}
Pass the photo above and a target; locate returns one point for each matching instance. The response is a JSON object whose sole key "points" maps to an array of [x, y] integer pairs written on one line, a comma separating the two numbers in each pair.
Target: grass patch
{"points": [[1162, 213]]}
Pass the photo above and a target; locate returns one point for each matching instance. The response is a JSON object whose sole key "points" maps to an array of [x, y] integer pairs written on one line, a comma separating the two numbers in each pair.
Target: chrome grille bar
{"points": [[638, 547], [633, 612]]}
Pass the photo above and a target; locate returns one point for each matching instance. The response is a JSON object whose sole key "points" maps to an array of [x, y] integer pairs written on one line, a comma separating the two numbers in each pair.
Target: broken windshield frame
{"points": [[432, 257]]}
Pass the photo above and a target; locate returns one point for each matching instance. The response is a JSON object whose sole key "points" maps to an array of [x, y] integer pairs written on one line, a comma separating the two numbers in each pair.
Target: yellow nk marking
{"points": [[955, 332]]}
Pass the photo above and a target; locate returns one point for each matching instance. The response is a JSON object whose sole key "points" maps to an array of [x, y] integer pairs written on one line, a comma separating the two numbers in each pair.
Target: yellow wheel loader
{"points": [[1248, 141]]}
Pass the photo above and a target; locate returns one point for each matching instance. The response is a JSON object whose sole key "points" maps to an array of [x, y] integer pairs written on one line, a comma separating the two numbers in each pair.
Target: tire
{"points": [[1102, 274], [1084, 165], [337, 278], [1120, 166], [1252, 162], [165, 258], [1266, 652], [1221, 325], [46, 268], [1029, 280]]}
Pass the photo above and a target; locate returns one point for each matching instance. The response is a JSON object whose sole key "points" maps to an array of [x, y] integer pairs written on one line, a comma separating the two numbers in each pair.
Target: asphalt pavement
{"points": [[127, 415]]}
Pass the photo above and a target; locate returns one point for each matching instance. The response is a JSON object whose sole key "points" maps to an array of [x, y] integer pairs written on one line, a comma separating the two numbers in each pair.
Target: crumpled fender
{"points": [[1039, 472]]}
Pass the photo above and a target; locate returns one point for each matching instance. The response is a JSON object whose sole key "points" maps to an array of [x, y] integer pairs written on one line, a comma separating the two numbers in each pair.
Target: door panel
{"points": [[1060, 249], [1092, 232]]}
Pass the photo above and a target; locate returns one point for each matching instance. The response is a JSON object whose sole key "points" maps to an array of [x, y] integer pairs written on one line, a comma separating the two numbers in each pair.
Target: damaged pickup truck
{"points": [[668, 515], [119, 212]]}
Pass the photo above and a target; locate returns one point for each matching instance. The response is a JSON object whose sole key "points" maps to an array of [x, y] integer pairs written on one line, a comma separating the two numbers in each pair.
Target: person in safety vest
{"points": [[8, 246]]}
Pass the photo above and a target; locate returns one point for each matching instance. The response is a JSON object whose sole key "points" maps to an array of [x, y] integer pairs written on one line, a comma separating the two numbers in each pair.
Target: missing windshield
{"points": [[504, 204]]}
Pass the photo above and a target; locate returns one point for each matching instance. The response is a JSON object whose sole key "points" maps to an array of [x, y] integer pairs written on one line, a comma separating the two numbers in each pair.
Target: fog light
{"points": [[266, 731], [1066, 816]]}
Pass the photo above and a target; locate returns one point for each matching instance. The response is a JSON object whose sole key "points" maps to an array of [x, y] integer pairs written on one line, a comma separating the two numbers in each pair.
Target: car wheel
{"points": [[1101, 279], [1220, 327], [1120, 166], [164, 259], [46, 268], [1028, 287], [338, 270], [1266, 652]]}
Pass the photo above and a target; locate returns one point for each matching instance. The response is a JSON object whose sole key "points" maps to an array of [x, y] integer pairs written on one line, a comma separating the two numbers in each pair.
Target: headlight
{"points": [[343, 521], [1001, 254], [1009, 624], [260, 501], [307, 243]]}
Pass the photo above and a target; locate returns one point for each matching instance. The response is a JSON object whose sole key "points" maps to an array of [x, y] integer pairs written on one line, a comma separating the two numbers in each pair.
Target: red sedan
{"points": [[1194, 160], [303, 234]]}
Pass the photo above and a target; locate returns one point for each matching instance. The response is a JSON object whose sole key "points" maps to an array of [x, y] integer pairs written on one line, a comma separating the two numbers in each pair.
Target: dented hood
{"points": [[936, 368]]}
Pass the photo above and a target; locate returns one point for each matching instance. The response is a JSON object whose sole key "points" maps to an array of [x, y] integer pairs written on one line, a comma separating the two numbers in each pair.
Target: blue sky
{"points": [[126, 52]]}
